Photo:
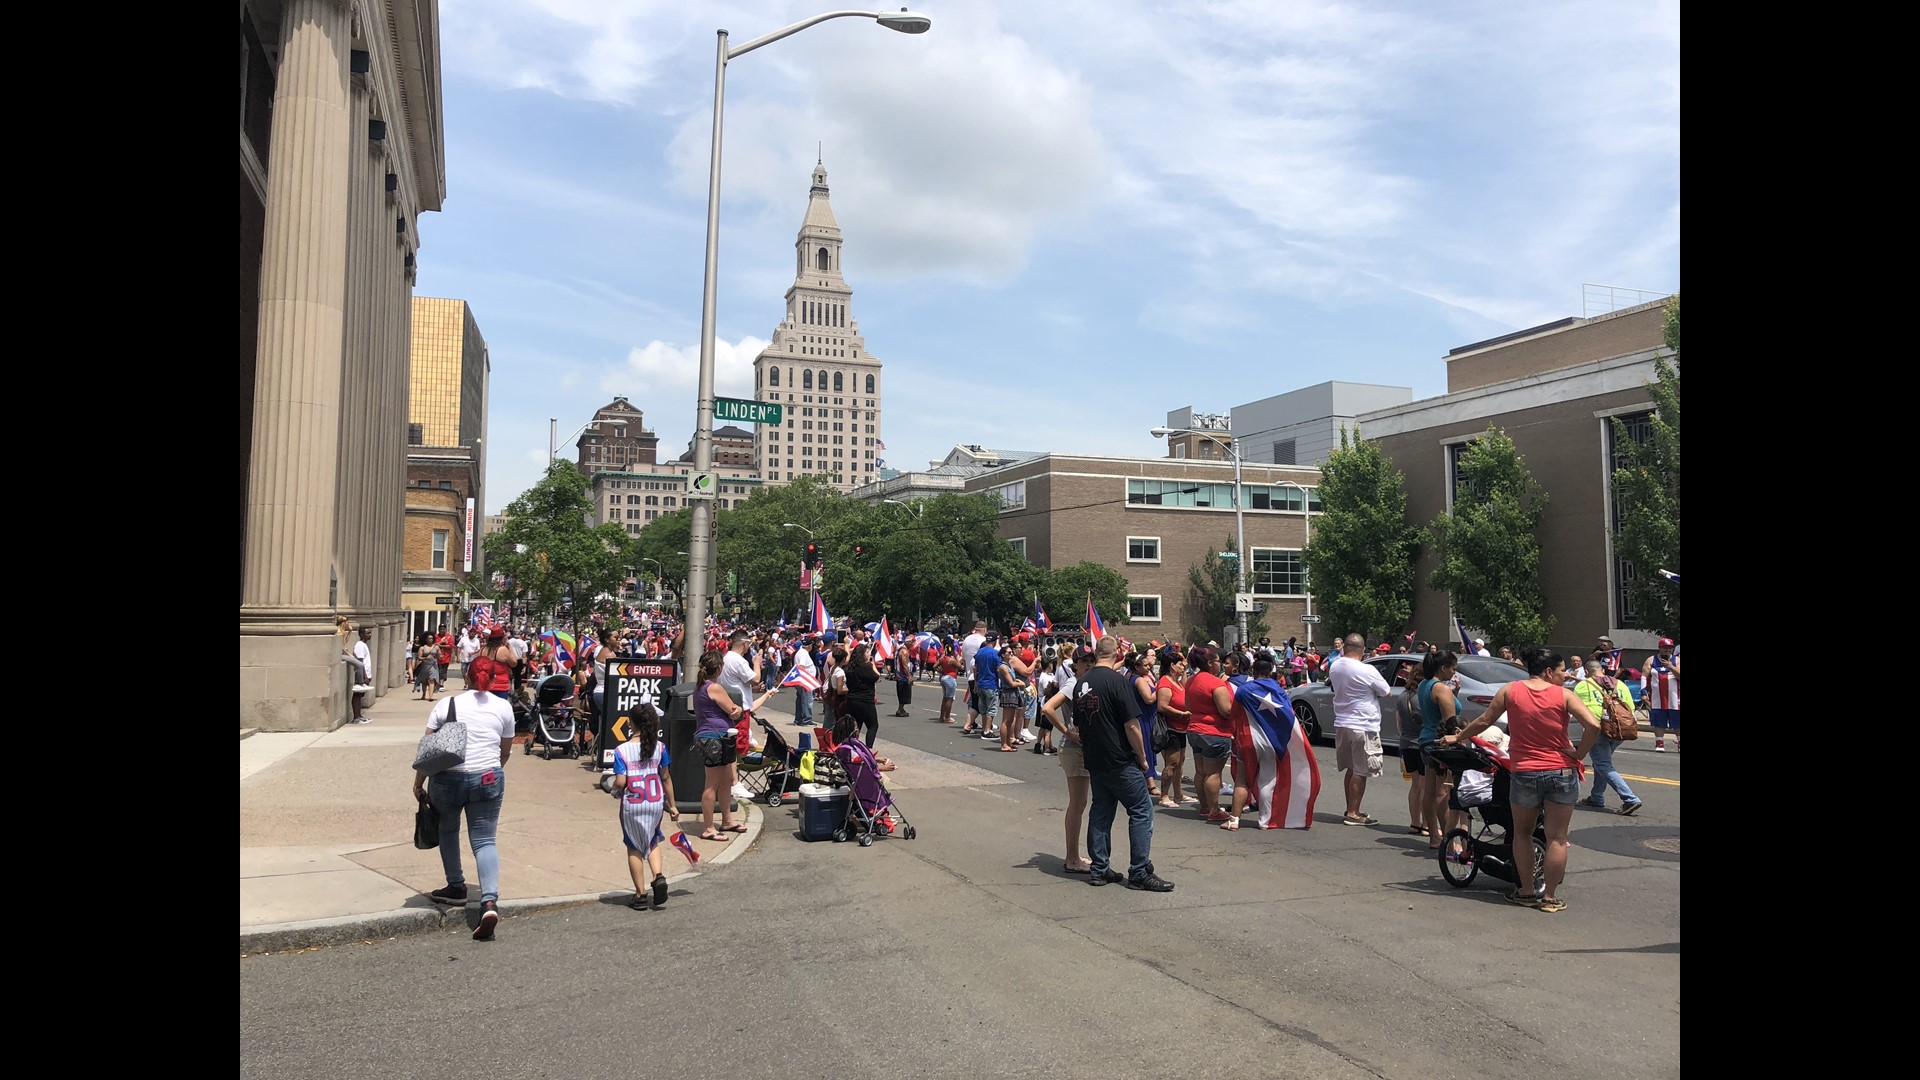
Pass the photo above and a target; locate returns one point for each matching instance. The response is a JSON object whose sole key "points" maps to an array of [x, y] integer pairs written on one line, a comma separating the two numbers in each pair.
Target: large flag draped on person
{"points": [[822, 622], [1095, 628], [1274, 759], [883, 641]]}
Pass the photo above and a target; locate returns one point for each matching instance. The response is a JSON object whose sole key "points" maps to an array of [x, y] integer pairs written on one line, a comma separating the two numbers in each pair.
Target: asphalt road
{"points": [[1334, 952]]}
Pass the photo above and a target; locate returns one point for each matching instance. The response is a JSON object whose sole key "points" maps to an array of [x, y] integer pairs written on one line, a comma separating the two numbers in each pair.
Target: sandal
{"points": [[718, 838], [734, 828], [1554, 904], [1071, 869], [1168, 804], [1418, 830], [1232, 824]]}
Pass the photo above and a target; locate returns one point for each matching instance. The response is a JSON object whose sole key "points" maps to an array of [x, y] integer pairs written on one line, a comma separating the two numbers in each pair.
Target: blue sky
{"points": [[1062, 219]]}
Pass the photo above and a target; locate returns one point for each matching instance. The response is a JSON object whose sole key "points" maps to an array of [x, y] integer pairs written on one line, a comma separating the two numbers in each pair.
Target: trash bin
{"points": [[689, 768]]}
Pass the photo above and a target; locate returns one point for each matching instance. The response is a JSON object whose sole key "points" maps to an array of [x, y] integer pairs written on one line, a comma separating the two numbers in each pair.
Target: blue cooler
{"points": [[823, 809]]}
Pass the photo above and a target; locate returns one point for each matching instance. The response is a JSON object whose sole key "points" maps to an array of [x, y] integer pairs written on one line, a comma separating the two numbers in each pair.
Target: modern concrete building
{"points": [[1154, 519], [618, 439], [818, 368], [446, 461], [341, 151], [1555, 390], [1301, 427]]}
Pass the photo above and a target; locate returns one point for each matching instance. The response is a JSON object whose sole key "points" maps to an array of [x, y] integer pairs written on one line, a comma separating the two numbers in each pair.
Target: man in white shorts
{"points": [[1357, 692]]}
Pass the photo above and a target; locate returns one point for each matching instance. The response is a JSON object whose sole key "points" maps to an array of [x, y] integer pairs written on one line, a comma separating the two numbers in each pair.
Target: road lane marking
{"points": [[1651, 780]]}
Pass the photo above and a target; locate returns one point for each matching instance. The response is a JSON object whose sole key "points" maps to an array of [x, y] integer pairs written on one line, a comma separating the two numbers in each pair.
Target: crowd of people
{"points": [[1160, 725]]}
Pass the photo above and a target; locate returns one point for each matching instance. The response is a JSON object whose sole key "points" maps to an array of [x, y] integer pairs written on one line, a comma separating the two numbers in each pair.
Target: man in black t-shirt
{"points": [[1106, 713]]}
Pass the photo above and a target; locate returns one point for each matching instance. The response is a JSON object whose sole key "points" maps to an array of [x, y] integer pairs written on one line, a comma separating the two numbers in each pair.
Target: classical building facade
{"points": [[1154, 519], [634, 497], [818, 368], [341, 151], [1556, 390]]}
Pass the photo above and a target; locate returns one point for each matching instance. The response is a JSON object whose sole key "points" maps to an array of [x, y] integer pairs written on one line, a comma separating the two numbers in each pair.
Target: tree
{"points": [[1361, 557], [1065, 591], [550, 552], [1647, 487], [1489, 546], [1215, 581]]}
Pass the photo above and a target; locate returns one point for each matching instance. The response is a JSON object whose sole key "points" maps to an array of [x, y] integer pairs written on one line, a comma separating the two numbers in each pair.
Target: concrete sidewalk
{"points": [[326, 835]]}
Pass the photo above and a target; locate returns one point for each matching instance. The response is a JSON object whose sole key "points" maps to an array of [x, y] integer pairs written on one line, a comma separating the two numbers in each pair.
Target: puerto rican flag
{"points": [[1095, 628], [1040, 616], [1660, 685], [803, 678], [822, 621], [883, 641], [680, 844], [483, 617], [1028, 626], [1274, 757]]}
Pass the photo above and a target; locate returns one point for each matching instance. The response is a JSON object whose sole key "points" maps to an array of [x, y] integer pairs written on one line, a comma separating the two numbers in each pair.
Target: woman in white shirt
{"points": [[475, 786]]}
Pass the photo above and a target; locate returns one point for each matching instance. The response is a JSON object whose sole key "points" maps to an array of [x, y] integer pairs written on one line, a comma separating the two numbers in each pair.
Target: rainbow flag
{"points": [[564, 646]]}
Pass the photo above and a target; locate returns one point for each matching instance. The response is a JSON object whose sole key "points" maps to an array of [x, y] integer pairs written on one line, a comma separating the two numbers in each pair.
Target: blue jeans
{"points": [[1128, 788], [451, 792], [803, 706], [1605, 773]]}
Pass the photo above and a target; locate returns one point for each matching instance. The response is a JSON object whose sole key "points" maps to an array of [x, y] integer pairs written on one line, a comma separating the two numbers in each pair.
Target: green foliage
{"points": [[1361, 556], [563, 556], [1647, 486], [1064, 592], [1215, 580], [1489, 546]]}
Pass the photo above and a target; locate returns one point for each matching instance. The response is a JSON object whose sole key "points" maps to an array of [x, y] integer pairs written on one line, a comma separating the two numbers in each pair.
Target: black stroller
{"points": [[1488, 843], [554, 722], [774, 771]]}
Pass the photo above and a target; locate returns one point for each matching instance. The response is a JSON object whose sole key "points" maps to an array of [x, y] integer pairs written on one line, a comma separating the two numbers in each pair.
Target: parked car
{"points": [[1480, 678]]}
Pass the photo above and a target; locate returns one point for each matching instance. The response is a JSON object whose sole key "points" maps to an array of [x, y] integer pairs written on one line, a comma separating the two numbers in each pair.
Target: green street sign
{"points": [[746, 412]]}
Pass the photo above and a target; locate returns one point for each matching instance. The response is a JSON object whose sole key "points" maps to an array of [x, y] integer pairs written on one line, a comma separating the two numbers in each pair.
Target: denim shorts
{"points": [[1530, 789], [1211, 747]]}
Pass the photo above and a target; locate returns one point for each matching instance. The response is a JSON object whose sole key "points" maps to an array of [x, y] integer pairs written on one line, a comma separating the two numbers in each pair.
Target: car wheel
{"points": [[1309, 719]]}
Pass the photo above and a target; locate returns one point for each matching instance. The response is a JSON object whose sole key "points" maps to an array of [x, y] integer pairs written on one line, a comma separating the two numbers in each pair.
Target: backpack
{"points": [[1616, 718]]}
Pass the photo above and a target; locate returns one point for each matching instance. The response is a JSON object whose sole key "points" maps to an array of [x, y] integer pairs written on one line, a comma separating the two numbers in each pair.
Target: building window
{"points": [[820, 260], [836, 382], [1456, 476], [1639, 429], [1283, 452], [1012, 496], [869, 384], [1019, 545], [773, 376], [416, 434], [1143, 608], [808, 376], [1278, 572], [439, 549], [1143, 549]]}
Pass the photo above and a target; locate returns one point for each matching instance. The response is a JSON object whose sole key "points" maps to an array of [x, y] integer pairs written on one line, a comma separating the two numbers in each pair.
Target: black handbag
{"points": [[426, 826]]}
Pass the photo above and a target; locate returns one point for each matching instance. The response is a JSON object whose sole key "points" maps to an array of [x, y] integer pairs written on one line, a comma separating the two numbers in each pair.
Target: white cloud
{"points": [[665, 372]]}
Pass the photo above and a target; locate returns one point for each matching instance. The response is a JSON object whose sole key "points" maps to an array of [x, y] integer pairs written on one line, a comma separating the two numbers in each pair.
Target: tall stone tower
{"points": [[818, 368]]}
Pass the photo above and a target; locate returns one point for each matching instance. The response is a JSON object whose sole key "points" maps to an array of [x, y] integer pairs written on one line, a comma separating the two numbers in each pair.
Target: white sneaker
{"points": [[1029, 735], [740, 792], [1659, 749]]}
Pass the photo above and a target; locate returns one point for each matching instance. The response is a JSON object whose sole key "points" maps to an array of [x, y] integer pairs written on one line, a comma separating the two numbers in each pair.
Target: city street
{"points": [[1336, 952]]}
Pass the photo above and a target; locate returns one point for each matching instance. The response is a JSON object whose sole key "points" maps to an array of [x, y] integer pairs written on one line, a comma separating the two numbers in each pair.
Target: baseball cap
{"points": [[1479, 641], [498, 633], [1083, 655], [1384, 647], [1666, 643]]}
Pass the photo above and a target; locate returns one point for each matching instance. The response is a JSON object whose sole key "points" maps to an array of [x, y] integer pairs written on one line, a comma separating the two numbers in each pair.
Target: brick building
{"points": [[434, 550], [1154, 519], [618, 439], [1554, 389]]}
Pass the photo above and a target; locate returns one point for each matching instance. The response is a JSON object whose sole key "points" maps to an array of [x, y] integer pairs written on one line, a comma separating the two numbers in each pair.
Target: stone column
{"points": [[288, 651]]}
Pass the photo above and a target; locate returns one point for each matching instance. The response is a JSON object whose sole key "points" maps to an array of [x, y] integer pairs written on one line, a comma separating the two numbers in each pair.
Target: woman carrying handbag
{"points": [[473, 786]]}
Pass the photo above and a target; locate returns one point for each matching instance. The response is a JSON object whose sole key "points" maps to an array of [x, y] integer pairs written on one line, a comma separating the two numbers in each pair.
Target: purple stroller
{"points": [[871, 811]]}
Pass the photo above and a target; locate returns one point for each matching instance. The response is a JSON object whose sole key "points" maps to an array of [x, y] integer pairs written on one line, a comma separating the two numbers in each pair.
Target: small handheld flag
{"points": [[803, 678], [1670, 576], [1096, 629], [684, 846], [883, 641]]}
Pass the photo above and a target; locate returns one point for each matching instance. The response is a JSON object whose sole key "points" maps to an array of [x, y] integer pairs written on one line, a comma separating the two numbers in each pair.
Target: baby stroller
{"points": [[1489, 846], [871, 810], [554, 723], [773, 771]]}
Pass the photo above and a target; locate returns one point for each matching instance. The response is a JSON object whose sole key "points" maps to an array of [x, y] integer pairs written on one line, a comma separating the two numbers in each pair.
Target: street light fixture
{"points": [[700, 566], [916, 506], [553, 432], [791, 525], [659, 577]]}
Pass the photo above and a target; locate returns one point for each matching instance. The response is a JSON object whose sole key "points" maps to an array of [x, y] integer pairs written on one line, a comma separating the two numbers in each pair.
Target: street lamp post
{"points": [[553, 433], [659, 578], [700, 564], [1239, 517]]}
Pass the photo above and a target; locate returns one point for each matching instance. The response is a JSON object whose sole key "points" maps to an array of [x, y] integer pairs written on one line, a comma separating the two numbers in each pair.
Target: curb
{"points": [[246, 731], [358, 929]]}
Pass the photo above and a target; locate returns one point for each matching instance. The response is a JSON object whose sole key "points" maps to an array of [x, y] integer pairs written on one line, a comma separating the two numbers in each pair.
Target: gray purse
{"points": [[444, 748]]}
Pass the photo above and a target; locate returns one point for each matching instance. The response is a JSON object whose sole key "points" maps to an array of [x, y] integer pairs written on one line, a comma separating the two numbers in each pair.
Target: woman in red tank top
{"points": [[1545, 765]]}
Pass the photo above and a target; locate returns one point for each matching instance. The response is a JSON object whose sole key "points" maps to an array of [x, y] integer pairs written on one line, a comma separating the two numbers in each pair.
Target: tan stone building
{"points": [[341, 151], [818, 368], [634, 497], [1555, 390], [1154, 519]]}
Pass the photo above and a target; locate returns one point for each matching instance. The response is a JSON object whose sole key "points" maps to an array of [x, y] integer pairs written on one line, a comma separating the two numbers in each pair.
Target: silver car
{"points": [[1480, 678]]}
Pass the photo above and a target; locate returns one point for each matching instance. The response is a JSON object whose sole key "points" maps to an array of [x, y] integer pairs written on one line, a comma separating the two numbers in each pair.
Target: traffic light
{"points": [[813, 555], [856, 551]]}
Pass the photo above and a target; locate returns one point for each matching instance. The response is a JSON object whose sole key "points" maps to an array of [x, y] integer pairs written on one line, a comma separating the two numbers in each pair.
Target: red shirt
{"points": [[1177, 700], [1206, 720]]}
